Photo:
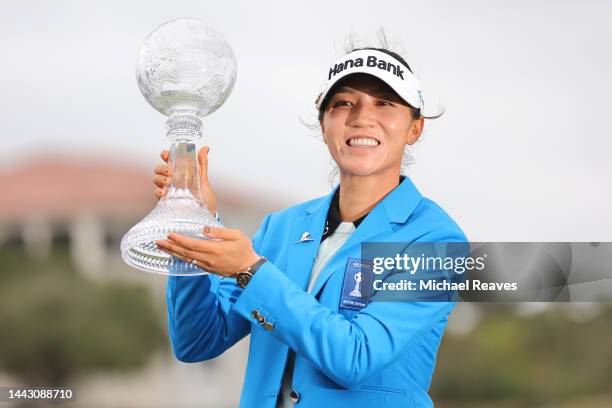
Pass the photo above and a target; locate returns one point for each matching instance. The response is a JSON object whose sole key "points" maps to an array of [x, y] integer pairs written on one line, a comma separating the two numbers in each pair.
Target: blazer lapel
{"points": [[395, 207], [302, 252]]}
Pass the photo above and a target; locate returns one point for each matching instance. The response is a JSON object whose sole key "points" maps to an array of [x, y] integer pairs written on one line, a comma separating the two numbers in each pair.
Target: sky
{"points": [[520, 154]]}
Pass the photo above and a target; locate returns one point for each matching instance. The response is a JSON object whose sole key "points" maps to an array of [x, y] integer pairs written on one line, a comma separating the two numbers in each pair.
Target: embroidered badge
{"points": [[357, 286]]}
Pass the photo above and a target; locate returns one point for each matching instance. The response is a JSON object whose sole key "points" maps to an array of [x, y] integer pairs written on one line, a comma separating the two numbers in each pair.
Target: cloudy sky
{"points": [[522, 152]]}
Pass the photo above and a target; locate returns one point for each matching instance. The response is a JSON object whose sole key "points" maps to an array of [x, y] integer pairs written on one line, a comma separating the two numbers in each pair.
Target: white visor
{"points": [[381, 65]]}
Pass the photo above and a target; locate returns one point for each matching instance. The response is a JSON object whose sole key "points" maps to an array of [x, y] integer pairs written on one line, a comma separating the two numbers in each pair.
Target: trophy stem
{"points": [[183, 129]]}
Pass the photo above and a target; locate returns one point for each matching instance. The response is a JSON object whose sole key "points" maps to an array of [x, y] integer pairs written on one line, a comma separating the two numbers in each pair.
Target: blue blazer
{"points": [[380, 356]]}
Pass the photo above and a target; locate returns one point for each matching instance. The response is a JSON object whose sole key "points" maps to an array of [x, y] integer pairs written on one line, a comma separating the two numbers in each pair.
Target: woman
{"points": [[314, 342]]}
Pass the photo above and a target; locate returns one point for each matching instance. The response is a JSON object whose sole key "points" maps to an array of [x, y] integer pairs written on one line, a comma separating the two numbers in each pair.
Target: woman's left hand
{"points": [[227, 252]]}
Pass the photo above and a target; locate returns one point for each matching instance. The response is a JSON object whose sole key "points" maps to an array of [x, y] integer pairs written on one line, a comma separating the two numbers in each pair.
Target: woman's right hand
{"points": [[163, 178]]}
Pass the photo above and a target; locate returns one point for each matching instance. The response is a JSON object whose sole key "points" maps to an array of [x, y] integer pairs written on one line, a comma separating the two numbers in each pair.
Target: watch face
{"points": [[242, 279]]}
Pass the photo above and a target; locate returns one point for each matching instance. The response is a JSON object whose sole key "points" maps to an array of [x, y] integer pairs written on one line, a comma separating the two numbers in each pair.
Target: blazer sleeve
{"points": [[348, 351], [201, 321]]}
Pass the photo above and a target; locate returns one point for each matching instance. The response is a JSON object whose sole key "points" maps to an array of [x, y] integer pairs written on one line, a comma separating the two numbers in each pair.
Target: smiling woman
{"points": [[318, 337], [367, 126], [387, 95]]}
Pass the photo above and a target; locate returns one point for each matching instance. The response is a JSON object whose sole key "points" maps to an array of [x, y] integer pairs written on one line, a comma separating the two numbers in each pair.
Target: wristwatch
{"points": [[243, 277]]}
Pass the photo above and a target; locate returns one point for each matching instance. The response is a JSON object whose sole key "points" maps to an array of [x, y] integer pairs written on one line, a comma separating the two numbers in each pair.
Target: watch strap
{"points": [[243, 277]]}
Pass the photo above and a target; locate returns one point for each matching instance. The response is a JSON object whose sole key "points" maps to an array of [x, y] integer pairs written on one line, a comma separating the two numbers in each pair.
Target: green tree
{"points": [[541, 359], [56, 324]]}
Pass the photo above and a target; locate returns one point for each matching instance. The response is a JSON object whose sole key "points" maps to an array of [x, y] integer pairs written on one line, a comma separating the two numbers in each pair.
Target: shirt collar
{"points": [[333, 215]]}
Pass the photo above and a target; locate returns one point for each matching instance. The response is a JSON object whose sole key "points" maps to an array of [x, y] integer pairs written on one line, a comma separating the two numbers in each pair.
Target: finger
{"points": [[161, 181], [159, 192], [223, 233], [168, 248], [203, 162], [178, 251], [191, 244], [165, 154], [177, 256], [162, 169]]}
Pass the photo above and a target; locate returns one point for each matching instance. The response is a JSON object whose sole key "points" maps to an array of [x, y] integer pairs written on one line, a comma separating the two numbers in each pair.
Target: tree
{"points": [[55, 323]]}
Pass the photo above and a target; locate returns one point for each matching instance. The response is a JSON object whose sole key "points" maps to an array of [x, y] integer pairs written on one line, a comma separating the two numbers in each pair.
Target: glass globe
{"points": [[185, 70], [185, 66]]}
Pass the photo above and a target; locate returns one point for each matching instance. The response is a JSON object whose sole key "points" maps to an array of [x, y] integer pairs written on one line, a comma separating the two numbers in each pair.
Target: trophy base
{"points": [[181, 215]]}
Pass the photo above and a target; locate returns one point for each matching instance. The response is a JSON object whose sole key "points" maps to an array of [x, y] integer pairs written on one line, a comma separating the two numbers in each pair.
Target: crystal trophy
{"points": [[185, 70]]}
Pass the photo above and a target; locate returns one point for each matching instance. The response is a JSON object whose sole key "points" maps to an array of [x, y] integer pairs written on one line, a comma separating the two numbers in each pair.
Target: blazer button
{"points": [[261, 319], [294, 396], [268, 326], [255, 313]]}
